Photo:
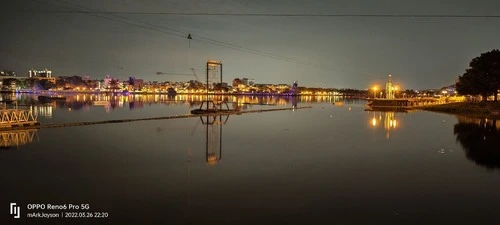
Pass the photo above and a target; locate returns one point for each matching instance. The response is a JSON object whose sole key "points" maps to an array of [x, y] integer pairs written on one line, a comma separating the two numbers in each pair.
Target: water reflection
{"points": [[16, 138], [480, 139], [43, 110], [111, 102], [213, 137], [388, 119]]}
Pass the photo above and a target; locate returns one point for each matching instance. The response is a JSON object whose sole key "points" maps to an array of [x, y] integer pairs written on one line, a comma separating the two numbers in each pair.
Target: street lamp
{"points": [[374, 91], [395, 88]]}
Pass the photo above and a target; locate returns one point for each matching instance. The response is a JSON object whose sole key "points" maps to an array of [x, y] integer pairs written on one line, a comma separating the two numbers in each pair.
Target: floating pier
{"points": [[213, 107], [17, 118], [403, 103]]}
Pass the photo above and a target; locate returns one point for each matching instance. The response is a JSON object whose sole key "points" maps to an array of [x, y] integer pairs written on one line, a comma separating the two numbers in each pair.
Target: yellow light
{"points": [[374, 122], [375, 88]]}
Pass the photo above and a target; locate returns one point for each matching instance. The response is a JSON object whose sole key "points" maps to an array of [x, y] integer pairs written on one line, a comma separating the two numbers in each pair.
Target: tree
{"points": [[480, 141], [113, 84], [43, 85], [10, 81], [482, 77]]}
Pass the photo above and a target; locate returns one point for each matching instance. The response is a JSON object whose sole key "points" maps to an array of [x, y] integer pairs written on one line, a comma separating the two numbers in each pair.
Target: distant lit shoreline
{"points": [[44, 92]]}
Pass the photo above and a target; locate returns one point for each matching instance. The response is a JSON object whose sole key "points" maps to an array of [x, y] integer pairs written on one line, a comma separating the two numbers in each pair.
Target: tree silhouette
{"points": [[480, 140], [9, 81], [482, 77], [113, 84]]}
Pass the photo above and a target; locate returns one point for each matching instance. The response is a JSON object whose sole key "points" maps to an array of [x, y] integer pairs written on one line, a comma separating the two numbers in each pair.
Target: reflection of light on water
{"points": [[238, 101], [43, 110], [16, 137], [392, 123], [212, 159], [389, 121]]}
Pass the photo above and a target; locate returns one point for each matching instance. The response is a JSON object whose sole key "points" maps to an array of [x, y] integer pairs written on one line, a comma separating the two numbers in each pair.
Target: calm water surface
{"points": [[325, 165]]}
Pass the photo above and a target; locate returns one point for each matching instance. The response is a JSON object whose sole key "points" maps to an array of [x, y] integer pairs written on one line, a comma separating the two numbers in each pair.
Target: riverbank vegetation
{"points": [[482, 77], [473, 109]]}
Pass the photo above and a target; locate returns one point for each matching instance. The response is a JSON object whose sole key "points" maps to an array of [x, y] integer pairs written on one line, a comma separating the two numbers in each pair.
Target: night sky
{"points": [[326, 51]]}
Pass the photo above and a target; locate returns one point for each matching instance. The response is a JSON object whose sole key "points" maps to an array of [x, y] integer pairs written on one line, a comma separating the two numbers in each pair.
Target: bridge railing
{"points": [[16, 116]]}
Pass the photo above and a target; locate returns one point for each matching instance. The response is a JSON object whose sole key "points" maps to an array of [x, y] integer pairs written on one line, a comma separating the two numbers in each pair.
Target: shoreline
{"points": [[489, 110], [164, 93]]}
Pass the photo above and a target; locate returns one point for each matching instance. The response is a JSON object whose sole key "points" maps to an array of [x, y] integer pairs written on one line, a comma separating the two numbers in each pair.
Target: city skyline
{"points": [[318, 51]]}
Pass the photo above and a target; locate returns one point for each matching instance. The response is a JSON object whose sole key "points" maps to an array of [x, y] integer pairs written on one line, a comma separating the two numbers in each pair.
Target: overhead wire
{"points": [[170, 31], [271, 14], [181, 34]]}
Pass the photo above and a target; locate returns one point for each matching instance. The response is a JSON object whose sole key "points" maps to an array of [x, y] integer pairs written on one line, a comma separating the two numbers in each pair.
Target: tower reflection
{"points": [[213, 137]]}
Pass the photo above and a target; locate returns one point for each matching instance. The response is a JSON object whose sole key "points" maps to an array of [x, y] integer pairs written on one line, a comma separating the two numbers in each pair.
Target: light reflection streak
{"points": [[389, 120]]}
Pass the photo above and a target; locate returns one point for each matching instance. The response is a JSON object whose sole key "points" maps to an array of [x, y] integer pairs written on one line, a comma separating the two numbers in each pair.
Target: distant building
{"points": [[40, 73], [107, 80], [131, 80], [283, 86], [237, 82], [8, 73], [448, 90], [389, 88], [244, 81], [137, 84]]}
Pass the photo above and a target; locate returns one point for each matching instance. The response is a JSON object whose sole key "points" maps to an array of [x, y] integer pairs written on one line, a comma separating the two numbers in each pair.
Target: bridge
{"points": [[51, 79]]}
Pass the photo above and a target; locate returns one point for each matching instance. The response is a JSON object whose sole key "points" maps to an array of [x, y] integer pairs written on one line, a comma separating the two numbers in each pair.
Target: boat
{"points": [[43, 98]]}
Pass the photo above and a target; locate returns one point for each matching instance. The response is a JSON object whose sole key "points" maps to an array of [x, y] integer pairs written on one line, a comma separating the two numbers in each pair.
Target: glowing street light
{"points": [[375, 91], [395, 88]]}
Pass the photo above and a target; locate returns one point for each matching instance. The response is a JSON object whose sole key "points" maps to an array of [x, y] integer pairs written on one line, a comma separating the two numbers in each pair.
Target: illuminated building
{"points": [[8, 73], [107, 80], [389, 88], [40, 73]]}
